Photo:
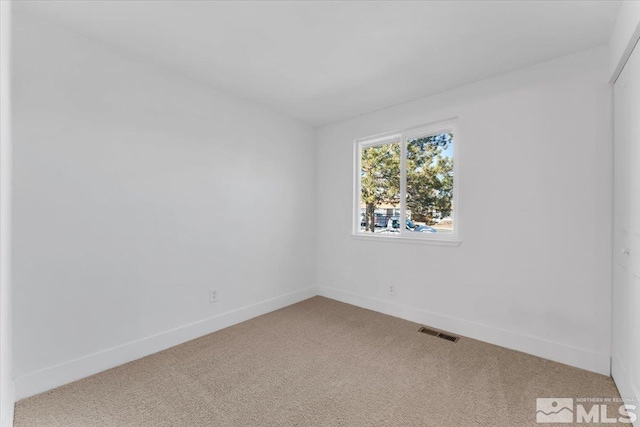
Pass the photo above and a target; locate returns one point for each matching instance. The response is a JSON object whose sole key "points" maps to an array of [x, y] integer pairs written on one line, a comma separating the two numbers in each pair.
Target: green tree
{"points": [[380, 179], [429, 178]]}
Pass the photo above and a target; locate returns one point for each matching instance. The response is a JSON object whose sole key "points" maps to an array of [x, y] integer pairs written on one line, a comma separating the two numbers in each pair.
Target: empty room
{"points": [[319, 213]]}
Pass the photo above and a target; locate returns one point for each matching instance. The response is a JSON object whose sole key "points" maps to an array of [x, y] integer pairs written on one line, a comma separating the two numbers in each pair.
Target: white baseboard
{"points": [[581, 358], [7, 406], [73, 370], [625, 384]]}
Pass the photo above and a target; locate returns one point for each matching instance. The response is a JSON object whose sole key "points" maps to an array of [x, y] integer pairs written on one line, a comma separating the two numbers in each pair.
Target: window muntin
{"points": [[408, 178]]}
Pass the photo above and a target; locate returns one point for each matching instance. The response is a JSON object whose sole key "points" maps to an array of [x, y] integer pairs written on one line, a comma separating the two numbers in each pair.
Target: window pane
{"points": [[380, 188], [430, 184]]}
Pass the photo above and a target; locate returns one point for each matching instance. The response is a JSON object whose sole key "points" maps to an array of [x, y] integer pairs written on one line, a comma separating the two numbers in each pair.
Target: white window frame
{"points": [[402, 136]]}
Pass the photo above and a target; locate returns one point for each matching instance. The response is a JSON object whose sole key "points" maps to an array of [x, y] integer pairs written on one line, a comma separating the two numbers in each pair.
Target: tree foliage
{"points": [[429, 178], [380, 179]]}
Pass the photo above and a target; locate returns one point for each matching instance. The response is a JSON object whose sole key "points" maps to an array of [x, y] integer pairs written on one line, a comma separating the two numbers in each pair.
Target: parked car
{"points": [[410, 225], [425, 229], [419, 227], [380, 220]]}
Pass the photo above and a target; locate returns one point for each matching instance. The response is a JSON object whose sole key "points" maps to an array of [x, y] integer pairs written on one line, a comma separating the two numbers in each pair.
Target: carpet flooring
{"points": [[317, 363]]}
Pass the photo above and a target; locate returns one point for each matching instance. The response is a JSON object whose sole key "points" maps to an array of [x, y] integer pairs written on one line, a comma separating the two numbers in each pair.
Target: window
{"points": [[406, 185]]}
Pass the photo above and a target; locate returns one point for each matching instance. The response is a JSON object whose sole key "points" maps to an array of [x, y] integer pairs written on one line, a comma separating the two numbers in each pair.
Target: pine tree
{"points": [[380, 179], [429, 178]]}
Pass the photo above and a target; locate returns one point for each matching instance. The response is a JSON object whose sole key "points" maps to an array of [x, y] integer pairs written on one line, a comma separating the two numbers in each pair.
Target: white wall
{"points": [[136, 191], [6, 383], [533, 271], [624, 37]]}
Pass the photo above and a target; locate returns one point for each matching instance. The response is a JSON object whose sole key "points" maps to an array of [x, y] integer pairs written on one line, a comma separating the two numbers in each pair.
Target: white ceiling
{"points": [[322, 62]]}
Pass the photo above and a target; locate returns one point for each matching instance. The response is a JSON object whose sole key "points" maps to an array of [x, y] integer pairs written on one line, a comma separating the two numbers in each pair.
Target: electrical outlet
{"points": [[213, 295], [392, 290]]}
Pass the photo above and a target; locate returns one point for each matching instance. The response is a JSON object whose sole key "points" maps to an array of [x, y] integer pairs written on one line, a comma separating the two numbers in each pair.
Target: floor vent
{"points": [[438, 334]]}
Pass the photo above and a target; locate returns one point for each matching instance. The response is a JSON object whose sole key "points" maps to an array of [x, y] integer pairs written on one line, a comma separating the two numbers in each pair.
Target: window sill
{"points": [[404, 239]]}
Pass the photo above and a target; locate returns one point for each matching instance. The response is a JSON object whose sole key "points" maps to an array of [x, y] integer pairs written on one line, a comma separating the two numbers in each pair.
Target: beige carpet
{"points": [[317, 363]]}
